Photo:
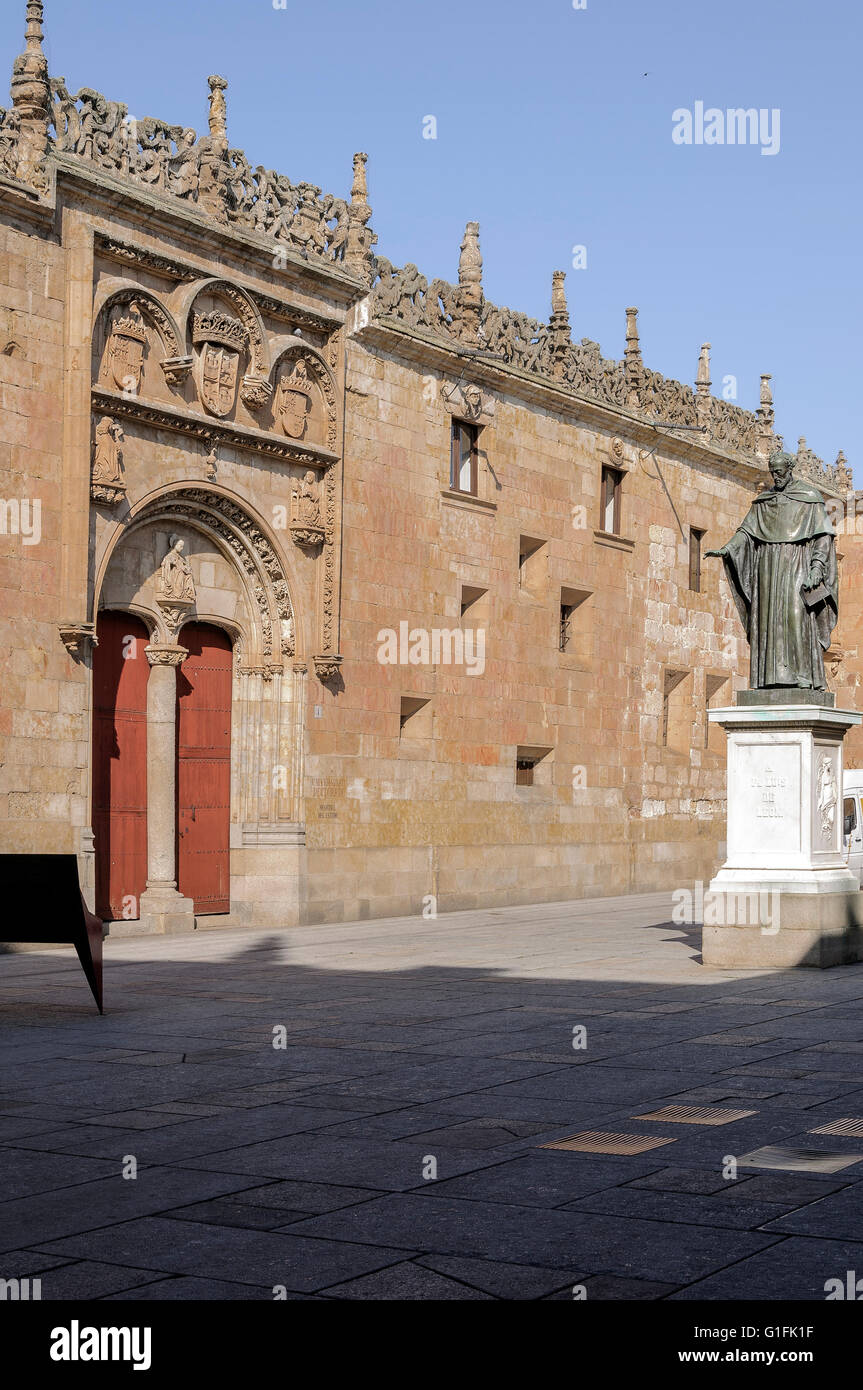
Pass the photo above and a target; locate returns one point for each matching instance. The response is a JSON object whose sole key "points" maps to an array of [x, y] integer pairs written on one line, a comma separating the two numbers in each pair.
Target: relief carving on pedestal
{"points": [[828, 795], [106, 477]]}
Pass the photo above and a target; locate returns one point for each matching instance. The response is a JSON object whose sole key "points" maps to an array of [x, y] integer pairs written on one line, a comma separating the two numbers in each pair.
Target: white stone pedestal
{"points": [[784, 895]]}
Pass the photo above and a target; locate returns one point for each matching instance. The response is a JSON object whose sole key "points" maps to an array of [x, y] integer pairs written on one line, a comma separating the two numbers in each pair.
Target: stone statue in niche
{"points": [[176, 582], [106, 478], [124, 352], [306, 525], [294, 401], [781, 568]]}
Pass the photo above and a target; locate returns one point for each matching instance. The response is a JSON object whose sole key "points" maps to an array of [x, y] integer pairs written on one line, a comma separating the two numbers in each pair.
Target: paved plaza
{"points": [[364, 1111]]}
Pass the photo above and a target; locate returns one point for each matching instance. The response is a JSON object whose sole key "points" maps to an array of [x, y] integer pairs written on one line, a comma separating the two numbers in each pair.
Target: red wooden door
{"points": [[120, 672], [204, 768]]}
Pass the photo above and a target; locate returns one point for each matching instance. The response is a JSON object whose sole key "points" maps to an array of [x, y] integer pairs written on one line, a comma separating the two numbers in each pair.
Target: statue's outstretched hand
{"points": [[720, 554]]}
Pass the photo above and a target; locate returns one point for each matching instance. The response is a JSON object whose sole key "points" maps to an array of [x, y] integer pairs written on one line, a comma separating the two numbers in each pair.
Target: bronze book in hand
{"points": [[812, 597]]}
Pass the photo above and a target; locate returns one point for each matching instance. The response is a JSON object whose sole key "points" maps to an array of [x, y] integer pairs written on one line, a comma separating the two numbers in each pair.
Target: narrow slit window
{"points": [[695, 539]]}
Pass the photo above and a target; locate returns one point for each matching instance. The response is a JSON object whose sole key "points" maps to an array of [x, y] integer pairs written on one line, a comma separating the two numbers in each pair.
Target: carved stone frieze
{"points": [[206, 171], [259, 442]]}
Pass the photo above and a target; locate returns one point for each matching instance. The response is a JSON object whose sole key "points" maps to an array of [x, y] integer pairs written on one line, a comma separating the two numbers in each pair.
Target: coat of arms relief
{"points": [[123, 358], [220, 342]]}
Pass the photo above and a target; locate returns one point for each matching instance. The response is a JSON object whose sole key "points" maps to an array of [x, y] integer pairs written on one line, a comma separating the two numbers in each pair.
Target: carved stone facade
{"points": [[236, 417]]}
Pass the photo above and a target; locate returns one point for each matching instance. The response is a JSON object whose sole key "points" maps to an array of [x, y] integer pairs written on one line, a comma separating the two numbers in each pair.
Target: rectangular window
{"points": [[463, 458], [527, 760], [695, 539], [612, 480]]}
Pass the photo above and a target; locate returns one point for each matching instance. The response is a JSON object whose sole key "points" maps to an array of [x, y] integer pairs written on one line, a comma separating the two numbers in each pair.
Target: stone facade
{"points": [[224, 408]]}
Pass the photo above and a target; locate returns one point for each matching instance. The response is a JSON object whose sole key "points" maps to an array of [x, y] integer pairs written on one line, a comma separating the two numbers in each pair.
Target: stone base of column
{"points": [[164, 912], [785, 895]]}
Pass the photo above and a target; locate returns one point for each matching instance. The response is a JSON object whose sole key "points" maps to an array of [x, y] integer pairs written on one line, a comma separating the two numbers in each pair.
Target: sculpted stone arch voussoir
{"points": [[322, 374]]}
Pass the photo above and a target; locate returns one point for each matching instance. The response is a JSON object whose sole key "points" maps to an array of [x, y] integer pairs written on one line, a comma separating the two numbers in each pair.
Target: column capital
{"points": [[166, 654]]}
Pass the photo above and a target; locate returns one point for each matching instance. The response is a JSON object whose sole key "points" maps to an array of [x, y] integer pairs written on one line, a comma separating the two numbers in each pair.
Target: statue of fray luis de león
{"points": [[781, 566]]}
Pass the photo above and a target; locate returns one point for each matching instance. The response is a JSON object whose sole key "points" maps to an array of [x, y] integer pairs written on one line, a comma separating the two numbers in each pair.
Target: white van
{"points": [[852, 813]]}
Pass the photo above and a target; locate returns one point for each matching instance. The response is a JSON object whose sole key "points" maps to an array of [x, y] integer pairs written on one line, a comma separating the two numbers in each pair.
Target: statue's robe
{"points": [[767, 563]]}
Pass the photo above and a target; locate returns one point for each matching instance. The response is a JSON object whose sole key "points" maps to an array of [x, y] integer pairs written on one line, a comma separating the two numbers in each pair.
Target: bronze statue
{"points": [[781, 566]]}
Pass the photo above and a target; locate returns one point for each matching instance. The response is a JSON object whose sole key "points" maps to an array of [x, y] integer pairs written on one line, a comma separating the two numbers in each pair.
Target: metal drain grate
{"points": [[798, 1160], [696, 1115], [851, 1125], [599, 1142]]}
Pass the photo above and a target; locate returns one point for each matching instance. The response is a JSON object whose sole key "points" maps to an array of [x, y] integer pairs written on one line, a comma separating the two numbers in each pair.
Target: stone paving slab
{"points": [[391, 1148]]}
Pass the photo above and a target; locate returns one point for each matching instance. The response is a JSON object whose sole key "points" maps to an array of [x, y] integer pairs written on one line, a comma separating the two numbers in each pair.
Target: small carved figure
{"points": [[10, 126], [176, 573], [307, 496], [107, 454], [183, 167]]}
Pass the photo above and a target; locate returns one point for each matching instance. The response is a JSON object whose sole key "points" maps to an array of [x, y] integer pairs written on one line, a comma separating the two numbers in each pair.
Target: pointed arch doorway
{"points": [[204, 682]]}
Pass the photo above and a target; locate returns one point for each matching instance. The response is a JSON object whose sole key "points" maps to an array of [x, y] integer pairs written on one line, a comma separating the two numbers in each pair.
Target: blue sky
{"points": [[551, 136]]}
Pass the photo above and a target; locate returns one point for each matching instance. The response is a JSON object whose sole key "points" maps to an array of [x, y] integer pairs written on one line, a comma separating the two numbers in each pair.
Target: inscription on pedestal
{"points": [[764, 797]]}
